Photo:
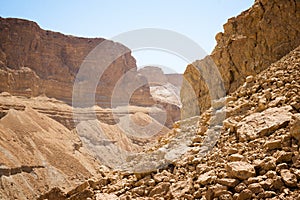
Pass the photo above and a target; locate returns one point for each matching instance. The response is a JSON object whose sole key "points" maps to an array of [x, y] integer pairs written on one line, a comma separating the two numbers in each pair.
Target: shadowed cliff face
{"points": [[34, 61], [249, 44]]}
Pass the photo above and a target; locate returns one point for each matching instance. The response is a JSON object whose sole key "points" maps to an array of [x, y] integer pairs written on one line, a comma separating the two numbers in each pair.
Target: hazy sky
{"points": [[198, 20]]}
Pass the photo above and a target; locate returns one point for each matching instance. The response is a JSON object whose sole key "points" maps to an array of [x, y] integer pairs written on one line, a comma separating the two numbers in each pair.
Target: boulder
{"points": [[241, 170], [289, 179], [264, 123]]}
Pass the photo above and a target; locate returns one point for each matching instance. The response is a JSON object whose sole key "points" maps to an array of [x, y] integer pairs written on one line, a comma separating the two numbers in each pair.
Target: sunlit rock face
{"points": [[35, 61], [249, 43]]}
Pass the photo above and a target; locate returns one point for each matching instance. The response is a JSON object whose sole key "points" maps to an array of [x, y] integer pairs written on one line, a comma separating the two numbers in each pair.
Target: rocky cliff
{"points": [[34, 62], [249, 44], [165, 90]]}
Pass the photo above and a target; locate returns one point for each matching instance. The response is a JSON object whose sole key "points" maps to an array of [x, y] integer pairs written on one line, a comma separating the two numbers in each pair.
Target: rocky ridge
{"points": [[250, 42], [261, 163], [37, 62]]}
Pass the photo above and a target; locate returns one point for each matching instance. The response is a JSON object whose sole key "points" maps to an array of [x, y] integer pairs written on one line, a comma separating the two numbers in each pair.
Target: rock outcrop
{"points": [[34, 62], [261, 167], [249, 44], [165, 90]]}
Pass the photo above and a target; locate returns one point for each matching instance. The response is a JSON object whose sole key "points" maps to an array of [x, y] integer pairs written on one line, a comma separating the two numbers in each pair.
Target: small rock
{"points": [[229, 182], [105, 196], [230, 125], [277, 183], [281, 166], [283, 156], [289, 179], [160, 189], [255, 188], [226, 197], [256, 179], [268, 163], [78, 189], [241, 170], [232, 151], [207, 178], [245, 195], [295, 127], [273, 144], [235, 157], [266, 184], [240, 187], [266, 194], [216, 191], [249, 79]]}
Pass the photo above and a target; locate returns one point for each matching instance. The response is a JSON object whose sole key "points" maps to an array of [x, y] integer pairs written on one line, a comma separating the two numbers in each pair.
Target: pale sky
{"points": [[196, 19]]}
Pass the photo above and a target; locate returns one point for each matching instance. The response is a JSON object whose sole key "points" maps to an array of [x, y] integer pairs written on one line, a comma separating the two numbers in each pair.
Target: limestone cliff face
{"points": [[165, 90], [249, 44], [34, 61]]}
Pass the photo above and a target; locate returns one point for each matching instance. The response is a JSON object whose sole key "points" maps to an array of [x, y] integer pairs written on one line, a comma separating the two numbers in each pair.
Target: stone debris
{"points": [[261, 163]]}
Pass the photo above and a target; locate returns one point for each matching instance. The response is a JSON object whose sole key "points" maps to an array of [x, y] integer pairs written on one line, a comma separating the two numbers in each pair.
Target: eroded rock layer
{"points": [[34, 62]]}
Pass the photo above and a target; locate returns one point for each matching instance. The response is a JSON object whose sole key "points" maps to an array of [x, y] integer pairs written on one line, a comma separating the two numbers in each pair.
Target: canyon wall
{"points": [[250, 42], [34, 62]]}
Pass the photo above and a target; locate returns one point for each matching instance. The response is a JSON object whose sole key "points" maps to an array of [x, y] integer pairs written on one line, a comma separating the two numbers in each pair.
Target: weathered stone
{"points": [[215, 191], [232, 151], [78, 189], [266, 184], [277, 183], [207, 178], [235, 157], [267, 164], [245, 195], [229, 182], [105, 196], [255, 188], [264, 123], [160, 189], [282, 156], [240, 170], [255, 179], [273, 144], [249, 79], [281, 166], [55, 193], [289, 179], [295, 127], [266, 194]]}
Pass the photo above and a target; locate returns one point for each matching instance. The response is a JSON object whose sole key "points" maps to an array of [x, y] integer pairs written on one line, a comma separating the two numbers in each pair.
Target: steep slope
{"points": [[34, 62], [256, 155], [41, 147], [249, 44], [38, 153]]}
